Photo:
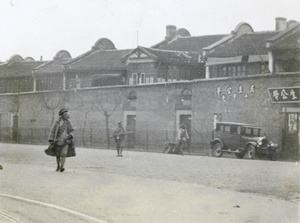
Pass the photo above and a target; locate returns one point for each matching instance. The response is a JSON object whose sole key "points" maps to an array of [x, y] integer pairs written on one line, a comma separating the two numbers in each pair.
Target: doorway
{"points": [[185, 117], [130, 129], [291, 134], [187, 121]]}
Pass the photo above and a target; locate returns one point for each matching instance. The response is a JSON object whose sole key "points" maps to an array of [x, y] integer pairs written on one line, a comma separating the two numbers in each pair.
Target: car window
{"points": [[251, 131], [239, 130], [256, 132], [221, 128], [248, 131], [227, 128], [235, 129]]}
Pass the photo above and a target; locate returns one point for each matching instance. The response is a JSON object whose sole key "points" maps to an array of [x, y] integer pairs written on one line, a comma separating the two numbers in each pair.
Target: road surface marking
{"points": [[10, 218], [54, 207]]}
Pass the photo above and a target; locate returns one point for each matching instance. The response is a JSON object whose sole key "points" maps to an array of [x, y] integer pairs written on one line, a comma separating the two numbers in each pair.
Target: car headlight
{"points": [[259, 142], [262, 142], [274, 145]]}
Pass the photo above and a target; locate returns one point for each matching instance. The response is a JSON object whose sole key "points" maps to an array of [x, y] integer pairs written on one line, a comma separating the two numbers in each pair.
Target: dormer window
{"points": [[137, 78]]}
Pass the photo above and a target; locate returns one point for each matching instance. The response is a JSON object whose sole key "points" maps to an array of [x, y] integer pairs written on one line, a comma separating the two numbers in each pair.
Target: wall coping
{"points": [[188, 82]]}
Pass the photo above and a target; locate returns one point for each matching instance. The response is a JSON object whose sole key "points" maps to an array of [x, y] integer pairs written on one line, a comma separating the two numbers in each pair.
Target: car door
{"points": [[235, 139], [232, 136]]}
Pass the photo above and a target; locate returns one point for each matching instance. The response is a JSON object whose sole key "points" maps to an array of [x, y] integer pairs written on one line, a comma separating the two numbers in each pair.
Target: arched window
{"points": [[142, 78], [134, 79], [186, 97], [132, 99], [137, 78]]}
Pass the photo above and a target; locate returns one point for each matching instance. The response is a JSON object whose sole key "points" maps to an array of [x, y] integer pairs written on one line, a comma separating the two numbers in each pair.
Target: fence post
{"points": [[147, 140], [31, 136], [46, 136], [91, 137], [108, 138]]}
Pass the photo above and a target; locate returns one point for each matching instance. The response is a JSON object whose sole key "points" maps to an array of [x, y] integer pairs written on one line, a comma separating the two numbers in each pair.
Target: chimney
{"points": [[280, 23], [171, 32]]}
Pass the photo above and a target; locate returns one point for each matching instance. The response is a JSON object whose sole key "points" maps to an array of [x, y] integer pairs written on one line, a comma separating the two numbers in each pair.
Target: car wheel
{"points": [[274, 155], [251, 152], [239, 155], [217, 150]]}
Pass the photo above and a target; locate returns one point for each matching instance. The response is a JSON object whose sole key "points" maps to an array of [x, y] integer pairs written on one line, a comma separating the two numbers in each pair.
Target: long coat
{"points": [[61, 133]]}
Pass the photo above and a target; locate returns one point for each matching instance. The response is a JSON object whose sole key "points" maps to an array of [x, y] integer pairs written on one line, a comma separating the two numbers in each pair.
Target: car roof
{"points": [[243, 124]]}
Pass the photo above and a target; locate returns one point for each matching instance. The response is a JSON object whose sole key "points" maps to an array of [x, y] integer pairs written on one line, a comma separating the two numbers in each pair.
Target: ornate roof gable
{"points": [[142, 54]]}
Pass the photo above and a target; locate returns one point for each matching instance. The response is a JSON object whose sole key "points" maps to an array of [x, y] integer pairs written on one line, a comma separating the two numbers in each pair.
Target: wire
{"points": [[258, 52]]}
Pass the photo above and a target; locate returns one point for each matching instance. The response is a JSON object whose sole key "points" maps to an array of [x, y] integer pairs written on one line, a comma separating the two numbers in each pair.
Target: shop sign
{"points": [[285, 95]]}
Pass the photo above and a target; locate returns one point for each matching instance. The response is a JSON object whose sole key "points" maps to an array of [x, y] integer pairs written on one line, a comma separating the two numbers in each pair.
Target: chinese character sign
{"points": [[285, 95]]}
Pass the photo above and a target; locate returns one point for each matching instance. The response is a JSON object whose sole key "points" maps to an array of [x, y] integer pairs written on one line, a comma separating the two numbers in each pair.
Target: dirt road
{"points": [[152, 187]]}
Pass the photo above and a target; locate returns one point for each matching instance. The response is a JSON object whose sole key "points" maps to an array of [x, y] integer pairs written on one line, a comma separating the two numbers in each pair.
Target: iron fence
{"points": [[145, 140]]}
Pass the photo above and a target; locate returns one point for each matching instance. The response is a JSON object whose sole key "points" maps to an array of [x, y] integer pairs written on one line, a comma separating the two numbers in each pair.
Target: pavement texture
{"points": [[152, 187]]}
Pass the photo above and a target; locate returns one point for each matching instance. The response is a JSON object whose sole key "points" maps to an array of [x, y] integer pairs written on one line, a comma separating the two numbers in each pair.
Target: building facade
{"points": [[246, 76]]}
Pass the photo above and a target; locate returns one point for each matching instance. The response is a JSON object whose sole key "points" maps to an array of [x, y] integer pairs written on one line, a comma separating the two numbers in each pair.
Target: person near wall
{"points": [[61, 139], [182, 138], [119, 136]]}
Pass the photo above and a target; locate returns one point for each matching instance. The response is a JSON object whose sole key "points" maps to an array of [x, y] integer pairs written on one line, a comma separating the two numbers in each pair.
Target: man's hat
{"points": [[63, 110]]}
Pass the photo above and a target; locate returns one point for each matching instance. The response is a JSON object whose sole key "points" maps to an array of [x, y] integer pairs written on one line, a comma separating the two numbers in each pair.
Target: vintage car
{"points": [[242, 139]]}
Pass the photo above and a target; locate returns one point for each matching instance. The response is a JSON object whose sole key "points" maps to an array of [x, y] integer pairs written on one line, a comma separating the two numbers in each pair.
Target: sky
{"points": [[41, 28]]}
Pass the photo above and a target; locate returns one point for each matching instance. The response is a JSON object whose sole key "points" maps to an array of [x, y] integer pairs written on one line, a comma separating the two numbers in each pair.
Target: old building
{"points": [[16, 74], [50, 75], [181, 40], [148, 65], [283, 49], [245, 76], [15, 78], [101, 66], [245, 52]]}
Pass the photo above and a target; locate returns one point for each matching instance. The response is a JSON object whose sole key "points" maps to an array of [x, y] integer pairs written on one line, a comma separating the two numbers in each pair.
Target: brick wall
{"points": [[155, 110]]}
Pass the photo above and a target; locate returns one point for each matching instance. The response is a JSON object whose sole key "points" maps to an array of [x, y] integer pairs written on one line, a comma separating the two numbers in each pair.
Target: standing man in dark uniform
{"points": [[119, 136]]}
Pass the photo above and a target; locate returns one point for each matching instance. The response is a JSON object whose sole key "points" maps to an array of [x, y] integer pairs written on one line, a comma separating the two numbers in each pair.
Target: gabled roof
{"points": [[54, 66], [98, 59], [287, 39], [165, 55], [189, 43], [175, 55], [18, 67], [245, 44]]}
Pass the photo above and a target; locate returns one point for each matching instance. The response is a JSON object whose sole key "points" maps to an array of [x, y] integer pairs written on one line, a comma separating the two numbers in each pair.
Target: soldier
{"points": [[119, 136]]}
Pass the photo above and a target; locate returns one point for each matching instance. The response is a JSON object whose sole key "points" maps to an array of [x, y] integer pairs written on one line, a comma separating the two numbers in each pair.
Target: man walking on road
{"points": [[119, 135], [61, 138]]}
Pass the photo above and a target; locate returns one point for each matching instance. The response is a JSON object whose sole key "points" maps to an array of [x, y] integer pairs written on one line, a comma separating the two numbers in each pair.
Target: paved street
{"points": [[145, 187]]}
